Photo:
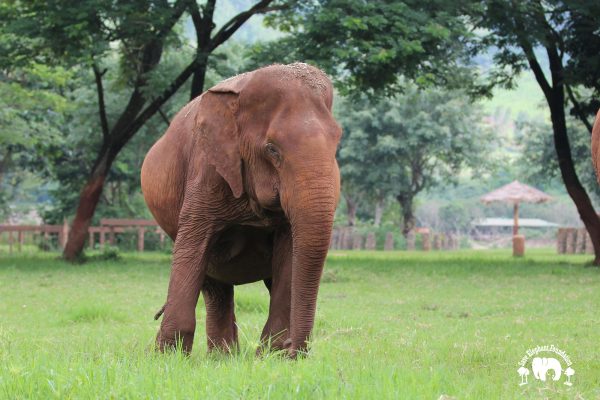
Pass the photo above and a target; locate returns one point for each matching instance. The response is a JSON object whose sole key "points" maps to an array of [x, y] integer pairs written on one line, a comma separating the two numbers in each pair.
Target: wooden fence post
{"points": [[449, 242], [437, 242], [371, 241], [357, 242], [64, 234], [10, 242], [410, 241], [45, 236], [389, 241], [20, 240], [162, 238], [111, 236], [561, 241], [141, 231], [589, 246], [580, 243], [334, 238], [570, 241], [426, 241], [102, 236]]}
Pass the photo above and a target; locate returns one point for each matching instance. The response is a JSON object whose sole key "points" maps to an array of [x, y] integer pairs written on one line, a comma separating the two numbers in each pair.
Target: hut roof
{"points": [[516, 192]]}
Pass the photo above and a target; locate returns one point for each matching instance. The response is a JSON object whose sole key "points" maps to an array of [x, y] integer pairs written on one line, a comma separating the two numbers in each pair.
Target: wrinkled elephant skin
{"points": [[246, 183]]}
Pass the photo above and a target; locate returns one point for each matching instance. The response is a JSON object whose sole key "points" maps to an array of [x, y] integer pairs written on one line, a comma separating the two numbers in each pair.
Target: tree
{"points": [[537, 161], [409, 143], [32, 104], [561, 31], [371, 44], [375, 45], [137, 32]]}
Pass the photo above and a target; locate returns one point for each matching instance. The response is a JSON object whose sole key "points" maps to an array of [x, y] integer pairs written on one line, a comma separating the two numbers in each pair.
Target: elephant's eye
{"points": [[273, 153]]}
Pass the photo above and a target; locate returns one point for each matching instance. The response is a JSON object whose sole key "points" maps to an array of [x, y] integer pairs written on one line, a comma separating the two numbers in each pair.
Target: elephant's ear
{"points": [[232, 85], [219, 134], [596, 145]]}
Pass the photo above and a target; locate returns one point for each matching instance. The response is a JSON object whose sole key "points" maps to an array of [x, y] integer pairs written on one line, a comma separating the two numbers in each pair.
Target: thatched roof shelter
{"points": [[516, 192]]}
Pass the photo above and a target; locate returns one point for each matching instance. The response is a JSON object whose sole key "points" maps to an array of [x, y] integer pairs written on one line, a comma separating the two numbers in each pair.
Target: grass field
{"points": [[389, 325]]}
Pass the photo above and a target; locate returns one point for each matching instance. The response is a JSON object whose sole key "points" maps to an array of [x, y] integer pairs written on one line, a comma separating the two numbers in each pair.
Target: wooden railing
{"points": [[43, 230], [347, 238], [108, 227]]}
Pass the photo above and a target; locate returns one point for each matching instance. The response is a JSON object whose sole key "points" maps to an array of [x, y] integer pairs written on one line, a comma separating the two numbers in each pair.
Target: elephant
{"points": [[246, 183], [540, 367], [596, 145]]}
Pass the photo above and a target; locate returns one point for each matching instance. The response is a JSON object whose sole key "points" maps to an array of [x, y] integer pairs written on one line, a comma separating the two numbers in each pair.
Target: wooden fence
{"points": [[573, 241], [342, 238], [43, 231], [347, 238], [109, 227]]}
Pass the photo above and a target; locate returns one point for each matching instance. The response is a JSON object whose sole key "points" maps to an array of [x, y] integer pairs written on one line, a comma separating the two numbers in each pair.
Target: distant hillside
{"points": [[526, 98]]}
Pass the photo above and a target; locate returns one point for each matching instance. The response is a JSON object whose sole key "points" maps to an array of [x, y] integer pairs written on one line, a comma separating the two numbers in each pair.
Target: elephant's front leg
{"points": [[221, 330], [276, 332], [189, 266]]}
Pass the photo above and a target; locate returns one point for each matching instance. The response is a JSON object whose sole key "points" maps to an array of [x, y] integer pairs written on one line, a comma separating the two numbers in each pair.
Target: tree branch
{"points": [[101, 106], [178, 8], [535, 66], [577, 108], [155, 105], [234, 23], [203, 23], [164, 116]]}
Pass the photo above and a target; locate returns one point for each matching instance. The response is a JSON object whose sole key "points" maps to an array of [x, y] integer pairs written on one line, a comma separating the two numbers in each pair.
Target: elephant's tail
{"points": [[160, 312]]}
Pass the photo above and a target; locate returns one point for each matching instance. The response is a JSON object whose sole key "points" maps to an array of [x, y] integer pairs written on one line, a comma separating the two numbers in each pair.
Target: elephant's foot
{"points": [[174, 335], [295, 352], [172, 341], [272, 342], [226, 342]]}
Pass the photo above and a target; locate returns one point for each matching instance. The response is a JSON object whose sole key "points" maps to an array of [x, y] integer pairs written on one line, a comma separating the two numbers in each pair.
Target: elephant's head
{"points": [[276, 143], [541, 366]]}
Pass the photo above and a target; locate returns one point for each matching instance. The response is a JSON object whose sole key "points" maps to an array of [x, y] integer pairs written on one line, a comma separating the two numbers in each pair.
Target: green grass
{"points": [[389, 325]]}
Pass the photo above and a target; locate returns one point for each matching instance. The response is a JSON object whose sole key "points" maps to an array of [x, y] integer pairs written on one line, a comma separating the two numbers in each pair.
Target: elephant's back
{"points": [[164, 171]]}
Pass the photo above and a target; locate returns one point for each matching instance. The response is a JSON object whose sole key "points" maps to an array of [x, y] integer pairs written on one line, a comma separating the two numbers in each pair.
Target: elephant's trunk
{"points": [[311, 212]]}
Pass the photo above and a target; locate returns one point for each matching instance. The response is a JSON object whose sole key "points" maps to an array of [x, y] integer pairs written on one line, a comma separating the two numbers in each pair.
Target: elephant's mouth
{"points": [[273, 206]]}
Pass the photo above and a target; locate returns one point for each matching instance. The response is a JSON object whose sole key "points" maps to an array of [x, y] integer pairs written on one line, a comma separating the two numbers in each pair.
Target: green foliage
{"points": [[419, 325], [369, 45], [538, 162], [527, 29], [409, 143], [108, 253]]}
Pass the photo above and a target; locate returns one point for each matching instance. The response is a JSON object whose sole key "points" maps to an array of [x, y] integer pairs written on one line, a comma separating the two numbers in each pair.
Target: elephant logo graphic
{"points": [[540, 367], [544, 367]]}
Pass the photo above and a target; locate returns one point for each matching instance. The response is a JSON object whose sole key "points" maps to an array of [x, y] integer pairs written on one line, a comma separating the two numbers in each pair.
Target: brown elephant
{"points": [[596, 145], [246, 183]]}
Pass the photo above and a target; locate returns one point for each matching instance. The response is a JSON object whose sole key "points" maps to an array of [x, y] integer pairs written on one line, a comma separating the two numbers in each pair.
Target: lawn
{"points": [[389, 325]]}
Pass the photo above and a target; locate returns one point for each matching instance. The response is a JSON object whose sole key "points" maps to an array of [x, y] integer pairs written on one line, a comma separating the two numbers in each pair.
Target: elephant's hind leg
{"points": [[221, 330]]}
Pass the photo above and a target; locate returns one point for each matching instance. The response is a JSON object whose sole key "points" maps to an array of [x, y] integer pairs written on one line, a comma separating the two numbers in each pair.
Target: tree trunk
{"points": [[408, 218], [88, 201], [351, 207], [135, 115], [569, 175], [379, 207], [554, 93]]}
